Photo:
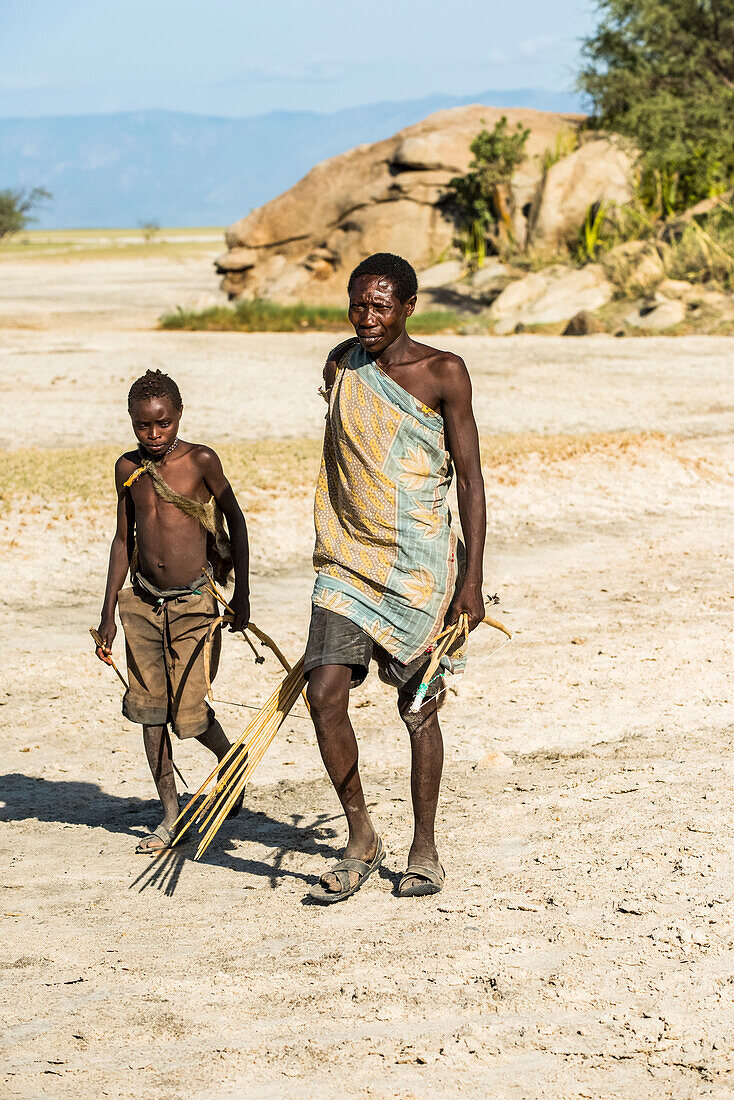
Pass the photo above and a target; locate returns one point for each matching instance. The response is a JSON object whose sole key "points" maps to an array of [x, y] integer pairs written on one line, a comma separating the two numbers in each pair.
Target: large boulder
{"points": [[600, 171], [385, 197], [545, 297]]}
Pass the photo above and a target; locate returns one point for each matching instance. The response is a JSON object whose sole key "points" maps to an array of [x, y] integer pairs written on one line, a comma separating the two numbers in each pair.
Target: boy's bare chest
{"points": [[182, 481]]}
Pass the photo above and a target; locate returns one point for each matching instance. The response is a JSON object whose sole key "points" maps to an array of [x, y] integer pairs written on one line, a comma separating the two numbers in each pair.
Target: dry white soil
{"points": [[582, 945]]}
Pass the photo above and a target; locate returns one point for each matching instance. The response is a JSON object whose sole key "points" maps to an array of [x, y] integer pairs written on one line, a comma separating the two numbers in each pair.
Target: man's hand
{"points": [[107, 632], [467, 601], [241, 608]]}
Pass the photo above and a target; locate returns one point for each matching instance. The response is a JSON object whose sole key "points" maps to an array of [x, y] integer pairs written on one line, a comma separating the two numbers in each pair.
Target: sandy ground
{"points": [[582, 946]]}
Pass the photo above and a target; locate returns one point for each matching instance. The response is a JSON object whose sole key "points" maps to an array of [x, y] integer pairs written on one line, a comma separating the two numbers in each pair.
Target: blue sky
{"points": [[238, 57]]}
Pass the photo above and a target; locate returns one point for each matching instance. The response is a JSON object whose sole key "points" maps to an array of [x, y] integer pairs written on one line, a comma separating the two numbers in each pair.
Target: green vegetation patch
{"points": [[260, 315]]}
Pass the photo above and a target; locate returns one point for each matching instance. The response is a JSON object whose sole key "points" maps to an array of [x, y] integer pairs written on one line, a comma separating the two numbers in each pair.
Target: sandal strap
{"points": [[357, 865], [430, 874]]}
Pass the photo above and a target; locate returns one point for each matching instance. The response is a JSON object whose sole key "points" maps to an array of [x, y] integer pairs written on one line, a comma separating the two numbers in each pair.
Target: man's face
{"points": [[155, 423], [377, 314]]}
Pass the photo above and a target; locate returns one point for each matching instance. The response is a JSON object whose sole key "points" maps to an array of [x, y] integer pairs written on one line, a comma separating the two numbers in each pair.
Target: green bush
{"points": [[662, 72], [482, 196]]}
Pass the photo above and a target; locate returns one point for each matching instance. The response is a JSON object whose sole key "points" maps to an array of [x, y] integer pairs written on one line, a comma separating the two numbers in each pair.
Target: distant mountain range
{"points": [[181, 169]]}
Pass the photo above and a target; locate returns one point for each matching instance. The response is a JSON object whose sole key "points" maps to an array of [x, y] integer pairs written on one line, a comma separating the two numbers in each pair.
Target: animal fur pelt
{"points": [[209, 515]]}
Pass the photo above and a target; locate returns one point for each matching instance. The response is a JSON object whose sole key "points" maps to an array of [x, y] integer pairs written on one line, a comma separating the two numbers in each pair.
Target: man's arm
{"points": [[462, 440], [333, 359], [121, 553], [221, 490]]}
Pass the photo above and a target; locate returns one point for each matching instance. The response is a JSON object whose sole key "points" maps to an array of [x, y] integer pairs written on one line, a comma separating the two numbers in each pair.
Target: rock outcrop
{"points": [[384, 197], [600, 171]]}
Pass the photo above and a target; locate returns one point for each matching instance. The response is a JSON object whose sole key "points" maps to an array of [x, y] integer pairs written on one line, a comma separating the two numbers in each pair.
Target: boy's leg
{"points": [[158, 751], [426, 746], [328, 697], [215, 739]]}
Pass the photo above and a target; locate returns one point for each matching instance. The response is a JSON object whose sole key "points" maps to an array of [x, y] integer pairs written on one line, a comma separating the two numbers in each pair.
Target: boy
{"points": [[171, 497]]}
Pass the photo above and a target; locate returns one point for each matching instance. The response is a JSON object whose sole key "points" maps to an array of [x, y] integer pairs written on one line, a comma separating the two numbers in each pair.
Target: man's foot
{"points": [[158, 841], [354, 850], [424, 875], [347, 876]]}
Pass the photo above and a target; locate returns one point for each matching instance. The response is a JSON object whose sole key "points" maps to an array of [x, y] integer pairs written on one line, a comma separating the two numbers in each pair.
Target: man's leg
{"points": [[426, 746], [328, 697], [158, 751]]}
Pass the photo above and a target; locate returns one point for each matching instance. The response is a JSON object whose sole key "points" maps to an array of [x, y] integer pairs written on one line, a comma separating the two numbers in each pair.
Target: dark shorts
{"points": [[336, 640]]}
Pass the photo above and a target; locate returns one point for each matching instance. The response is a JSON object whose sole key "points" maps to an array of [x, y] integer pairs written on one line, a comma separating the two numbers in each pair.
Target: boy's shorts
{"points": [[164, 644], [336, 640]]}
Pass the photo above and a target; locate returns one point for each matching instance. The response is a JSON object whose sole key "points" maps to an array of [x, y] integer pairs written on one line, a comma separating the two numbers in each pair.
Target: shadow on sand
{"points": [[29, 798]]}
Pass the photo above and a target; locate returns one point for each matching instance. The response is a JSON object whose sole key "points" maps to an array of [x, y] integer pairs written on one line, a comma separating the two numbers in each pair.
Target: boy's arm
{"points": [[120, 555], [463, 444], [221, 490]]}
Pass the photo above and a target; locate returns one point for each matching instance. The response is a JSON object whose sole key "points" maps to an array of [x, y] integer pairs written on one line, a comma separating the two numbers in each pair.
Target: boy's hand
{"points": [[241, 608], [107, 632]]}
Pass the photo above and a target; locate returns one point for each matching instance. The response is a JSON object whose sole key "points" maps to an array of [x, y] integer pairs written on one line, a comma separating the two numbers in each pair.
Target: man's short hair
{"points": [[154, 383], [392, 267]]}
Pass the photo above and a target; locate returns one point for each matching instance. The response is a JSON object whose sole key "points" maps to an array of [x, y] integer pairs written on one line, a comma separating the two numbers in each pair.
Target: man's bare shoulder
{"points": [[444, 365], [437, 357]]}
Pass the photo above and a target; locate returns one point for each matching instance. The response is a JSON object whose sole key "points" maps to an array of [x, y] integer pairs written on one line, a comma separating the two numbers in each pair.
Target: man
{"points": [[390, 570]]}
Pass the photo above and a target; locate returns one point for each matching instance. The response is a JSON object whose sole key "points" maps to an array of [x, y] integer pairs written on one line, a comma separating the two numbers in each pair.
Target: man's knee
{"points": [[327, 694], [423, 719]]}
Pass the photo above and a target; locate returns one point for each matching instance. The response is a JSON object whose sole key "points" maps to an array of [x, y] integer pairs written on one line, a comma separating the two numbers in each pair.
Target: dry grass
{"points": [[104, 244], [282, 466]]}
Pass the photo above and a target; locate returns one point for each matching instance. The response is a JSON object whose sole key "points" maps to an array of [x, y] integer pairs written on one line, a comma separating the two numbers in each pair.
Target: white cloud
{"points": [[320, 73], [543, 44]]}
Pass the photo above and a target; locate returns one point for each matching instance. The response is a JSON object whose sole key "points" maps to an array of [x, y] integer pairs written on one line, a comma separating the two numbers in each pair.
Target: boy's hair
{"points": [[392, 267], [154, 383]]}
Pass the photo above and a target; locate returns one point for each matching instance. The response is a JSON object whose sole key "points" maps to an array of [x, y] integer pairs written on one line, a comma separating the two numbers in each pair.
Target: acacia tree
{"points": [[16, 209], [662, 72]]}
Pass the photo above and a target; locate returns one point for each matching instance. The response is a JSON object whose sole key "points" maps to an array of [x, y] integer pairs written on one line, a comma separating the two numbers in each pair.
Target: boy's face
{"points": [[155, 423]]}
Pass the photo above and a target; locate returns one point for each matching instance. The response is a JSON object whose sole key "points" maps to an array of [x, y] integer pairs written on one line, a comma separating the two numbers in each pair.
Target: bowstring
{"points": [[481, 661]]}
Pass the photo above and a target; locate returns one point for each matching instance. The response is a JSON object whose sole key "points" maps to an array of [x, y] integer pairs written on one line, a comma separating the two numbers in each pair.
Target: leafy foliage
{"points": [[662, 72], [481, 195], [16, 209]]}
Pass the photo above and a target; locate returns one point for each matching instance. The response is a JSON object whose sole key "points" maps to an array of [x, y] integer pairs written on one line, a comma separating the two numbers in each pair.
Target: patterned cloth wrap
{"points": [[386, 555]]}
